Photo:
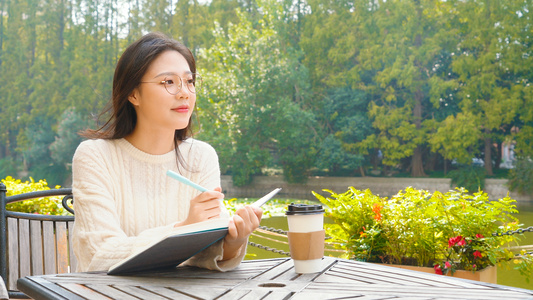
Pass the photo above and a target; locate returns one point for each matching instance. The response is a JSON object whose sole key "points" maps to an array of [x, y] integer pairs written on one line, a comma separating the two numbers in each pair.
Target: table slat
{"points": [[188, 292], [83, 291], [110, 292], [139, 292]]}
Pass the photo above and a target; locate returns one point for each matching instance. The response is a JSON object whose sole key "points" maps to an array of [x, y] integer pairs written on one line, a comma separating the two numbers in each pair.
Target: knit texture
{"points": [[124, 201]]}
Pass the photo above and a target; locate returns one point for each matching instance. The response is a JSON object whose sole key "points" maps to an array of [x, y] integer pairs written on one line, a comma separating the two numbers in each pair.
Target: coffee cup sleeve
{"points": [[307, 245]]}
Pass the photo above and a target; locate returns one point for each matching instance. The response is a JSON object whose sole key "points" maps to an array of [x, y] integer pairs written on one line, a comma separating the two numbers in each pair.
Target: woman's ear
{"points": [[134, 97]]}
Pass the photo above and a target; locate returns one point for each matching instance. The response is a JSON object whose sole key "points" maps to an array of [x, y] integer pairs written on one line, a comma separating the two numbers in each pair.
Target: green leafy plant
{"points": [[45, 205], [470, 177], [448, 231], [521, 176], [525, 265]]}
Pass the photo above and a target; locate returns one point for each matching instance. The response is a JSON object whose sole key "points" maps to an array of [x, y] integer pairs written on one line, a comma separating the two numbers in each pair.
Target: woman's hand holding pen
{"points": [[204, 207], [244, 222]]}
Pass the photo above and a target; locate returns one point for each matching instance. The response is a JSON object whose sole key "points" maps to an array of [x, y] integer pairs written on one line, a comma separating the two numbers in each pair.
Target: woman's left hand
{"points": [[244, 222]]}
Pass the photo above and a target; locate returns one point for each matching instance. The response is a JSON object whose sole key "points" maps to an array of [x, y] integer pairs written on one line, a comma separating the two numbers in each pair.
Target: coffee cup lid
{"points": [[304, 209]]}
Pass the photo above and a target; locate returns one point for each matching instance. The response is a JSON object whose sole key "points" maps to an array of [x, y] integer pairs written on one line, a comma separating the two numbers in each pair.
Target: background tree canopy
{"points": [[316, 87]]}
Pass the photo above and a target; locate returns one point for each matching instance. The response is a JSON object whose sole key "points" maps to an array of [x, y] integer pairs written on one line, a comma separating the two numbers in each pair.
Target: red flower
{"points": [[479, 236], [447, 265], [438, 270], [455, 240], [478, 254], [461, 242]]}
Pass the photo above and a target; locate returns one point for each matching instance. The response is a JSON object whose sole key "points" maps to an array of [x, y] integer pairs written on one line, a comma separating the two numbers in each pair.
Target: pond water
{"points": [[506, 273]]}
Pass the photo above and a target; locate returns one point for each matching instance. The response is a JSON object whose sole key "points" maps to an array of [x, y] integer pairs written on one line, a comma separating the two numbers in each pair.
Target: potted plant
{"points": [[446, 232]]}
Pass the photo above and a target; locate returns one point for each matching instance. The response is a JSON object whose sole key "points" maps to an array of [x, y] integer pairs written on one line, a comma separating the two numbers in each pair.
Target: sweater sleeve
{"points": [[211, 258], [98, 240]]}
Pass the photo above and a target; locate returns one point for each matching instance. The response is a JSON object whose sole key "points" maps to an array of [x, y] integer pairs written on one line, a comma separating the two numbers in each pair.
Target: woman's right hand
{"points": [[204, 207]]}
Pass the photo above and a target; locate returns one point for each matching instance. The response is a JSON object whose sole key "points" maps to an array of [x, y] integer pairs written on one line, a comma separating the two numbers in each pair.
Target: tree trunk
{"points": [[417, 165], [498, 161], [431, 164], [488, 152]]}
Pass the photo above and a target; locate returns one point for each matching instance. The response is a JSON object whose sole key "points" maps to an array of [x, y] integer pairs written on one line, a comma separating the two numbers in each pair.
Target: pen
{"points": [[265, 198], [182, 179]]}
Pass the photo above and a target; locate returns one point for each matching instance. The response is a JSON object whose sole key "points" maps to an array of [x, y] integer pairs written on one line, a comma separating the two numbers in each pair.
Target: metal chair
{"points": [[34, 244]]}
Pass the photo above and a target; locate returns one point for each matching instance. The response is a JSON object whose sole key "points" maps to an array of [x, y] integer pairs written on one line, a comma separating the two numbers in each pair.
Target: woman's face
{"points": [[157, 109]]}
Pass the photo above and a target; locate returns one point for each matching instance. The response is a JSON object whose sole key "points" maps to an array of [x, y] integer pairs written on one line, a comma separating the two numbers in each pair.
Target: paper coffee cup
{"points": [[306, 237]]}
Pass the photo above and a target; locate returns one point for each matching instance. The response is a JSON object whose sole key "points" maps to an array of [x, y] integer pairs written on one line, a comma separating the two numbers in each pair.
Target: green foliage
{"points": [[252, 110], [273, 208], [67, 139], [8, 166], [417, 227], [525, 265], [399, 64], [455, 137], [484, 63], [344, 113], [34, 142], [524, 139], [292, 85], [45, 205], [470, 177], [333, 158], [521, 176]]}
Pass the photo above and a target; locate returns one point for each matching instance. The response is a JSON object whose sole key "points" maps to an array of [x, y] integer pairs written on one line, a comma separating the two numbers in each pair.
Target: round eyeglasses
{"points": [[173, 83]]}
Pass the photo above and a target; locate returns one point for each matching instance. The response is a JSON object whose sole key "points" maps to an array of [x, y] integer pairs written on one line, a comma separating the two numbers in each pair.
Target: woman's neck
{"points": [[152, 143]]}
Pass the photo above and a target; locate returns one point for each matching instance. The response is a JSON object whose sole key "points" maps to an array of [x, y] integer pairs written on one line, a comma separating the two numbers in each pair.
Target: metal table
{"points": [[268, 279]]}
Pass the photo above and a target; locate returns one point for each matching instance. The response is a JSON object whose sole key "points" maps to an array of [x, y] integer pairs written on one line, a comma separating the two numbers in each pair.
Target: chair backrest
{"points": [[34, 244]]}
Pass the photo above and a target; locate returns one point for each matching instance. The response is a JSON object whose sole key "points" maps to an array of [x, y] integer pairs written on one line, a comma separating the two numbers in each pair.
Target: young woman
{"points": [[123, 198]]}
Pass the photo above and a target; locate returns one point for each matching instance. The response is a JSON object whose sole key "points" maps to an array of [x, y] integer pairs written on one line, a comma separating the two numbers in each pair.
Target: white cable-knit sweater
{"points": [[124, 201]]}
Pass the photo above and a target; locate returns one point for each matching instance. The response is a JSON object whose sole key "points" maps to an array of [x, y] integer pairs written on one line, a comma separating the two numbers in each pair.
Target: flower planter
{"points": [[488, 274]]}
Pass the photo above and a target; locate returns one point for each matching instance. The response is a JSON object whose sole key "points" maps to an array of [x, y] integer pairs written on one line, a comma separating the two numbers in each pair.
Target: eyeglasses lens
{"points": [[174, 84]]}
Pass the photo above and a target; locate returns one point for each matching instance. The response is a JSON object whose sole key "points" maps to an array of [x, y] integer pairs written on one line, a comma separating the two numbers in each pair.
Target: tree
{"points": [[34, 143], [387, 49], [415, 35], [488, 88], [17, 58], [519, 60], [160, 15], [67, 140], [346, 125], [255, 88], [457, 137]]}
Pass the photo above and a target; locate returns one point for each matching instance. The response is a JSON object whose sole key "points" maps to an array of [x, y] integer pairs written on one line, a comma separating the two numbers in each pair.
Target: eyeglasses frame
{"points": [[196, 77]]}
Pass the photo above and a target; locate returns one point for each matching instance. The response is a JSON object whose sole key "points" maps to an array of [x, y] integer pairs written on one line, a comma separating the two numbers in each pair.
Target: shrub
{"points": [[521, 176], [46, 205], [453, 230], [470, 177]]}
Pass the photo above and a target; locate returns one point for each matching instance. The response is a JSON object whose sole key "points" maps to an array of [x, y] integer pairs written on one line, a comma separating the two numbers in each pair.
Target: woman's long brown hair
{"points": [[130, 68]]}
